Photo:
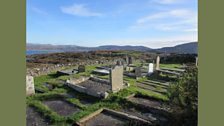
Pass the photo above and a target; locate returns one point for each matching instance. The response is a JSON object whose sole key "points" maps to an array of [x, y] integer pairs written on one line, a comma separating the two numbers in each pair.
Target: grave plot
{"points": [[155, 118], [99, 87], [33, 118], [153, 86], [106, 117], [61, 107], [155, 106], [83, 98]]}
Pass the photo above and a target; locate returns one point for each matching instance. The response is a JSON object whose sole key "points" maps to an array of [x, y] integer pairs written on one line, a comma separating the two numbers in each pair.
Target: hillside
{"points": [[183, 48]]}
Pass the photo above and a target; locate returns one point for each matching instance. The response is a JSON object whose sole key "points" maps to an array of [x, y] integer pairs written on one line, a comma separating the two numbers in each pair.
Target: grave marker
{"points": [[150, 70], [30, 85], [157, 62], [81, 68], [116, 78]]}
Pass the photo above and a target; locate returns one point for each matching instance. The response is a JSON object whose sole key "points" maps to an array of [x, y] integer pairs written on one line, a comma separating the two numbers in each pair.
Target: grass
{"points": [[170, 65]]}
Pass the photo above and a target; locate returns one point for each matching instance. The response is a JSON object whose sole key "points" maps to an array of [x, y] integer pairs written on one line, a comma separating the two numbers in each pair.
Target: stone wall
{"points": [[53, 68]]}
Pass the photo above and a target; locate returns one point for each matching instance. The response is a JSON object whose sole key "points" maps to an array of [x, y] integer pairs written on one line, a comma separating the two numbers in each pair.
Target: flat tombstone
{"points": [[30, 85], [81, 68], [116, 78], [138, 72], [150, 71]]}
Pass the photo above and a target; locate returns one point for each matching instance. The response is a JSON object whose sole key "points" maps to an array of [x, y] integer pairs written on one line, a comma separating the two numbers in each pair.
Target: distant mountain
{"points": [[114, 47], [183, 48], [191, 48], [31, 46]]}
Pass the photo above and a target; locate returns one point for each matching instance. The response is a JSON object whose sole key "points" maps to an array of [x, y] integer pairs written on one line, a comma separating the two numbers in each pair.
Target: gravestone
{"points": [[157, 62], [138, 72], [81, 68], [30, 85], [130, 59], [119, 63], [127, 60], [150, 70], [196, 62], [116, 78]]}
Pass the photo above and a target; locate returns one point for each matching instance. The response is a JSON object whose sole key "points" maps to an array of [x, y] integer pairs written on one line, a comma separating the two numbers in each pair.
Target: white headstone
{"points": [[150, 71], [157, 62], [30, 85]]}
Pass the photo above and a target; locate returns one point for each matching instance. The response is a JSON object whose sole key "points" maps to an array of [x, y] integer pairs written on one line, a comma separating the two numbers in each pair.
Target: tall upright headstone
{"points": [[157, 62], [196, 62], [127, 59], [150, 70], [30, 85], [116, 78], [130, 59], [138, 72]]}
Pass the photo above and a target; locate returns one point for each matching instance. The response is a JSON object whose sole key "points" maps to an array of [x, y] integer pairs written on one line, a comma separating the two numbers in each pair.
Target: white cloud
{"points": [[151, 42], [79, 10], [173, 20]]}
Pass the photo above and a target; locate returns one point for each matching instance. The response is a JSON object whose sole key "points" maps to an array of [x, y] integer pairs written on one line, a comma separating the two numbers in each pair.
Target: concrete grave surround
{"points": [[30, 85], [116, 78], [150, 70]]}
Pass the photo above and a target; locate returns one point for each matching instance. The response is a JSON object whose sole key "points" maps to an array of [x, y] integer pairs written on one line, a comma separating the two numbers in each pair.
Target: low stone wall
{"points": [[53, 68]]}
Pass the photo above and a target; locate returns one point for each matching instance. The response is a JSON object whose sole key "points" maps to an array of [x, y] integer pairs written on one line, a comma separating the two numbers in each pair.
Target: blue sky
{"points": [[151, 23]]}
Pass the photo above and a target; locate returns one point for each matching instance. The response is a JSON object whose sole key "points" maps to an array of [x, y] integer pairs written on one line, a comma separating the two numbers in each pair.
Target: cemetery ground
{"points": [[58, 105]]}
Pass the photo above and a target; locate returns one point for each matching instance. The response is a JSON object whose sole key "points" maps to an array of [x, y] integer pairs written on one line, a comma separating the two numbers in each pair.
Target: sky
{"points": [[150, 23]]}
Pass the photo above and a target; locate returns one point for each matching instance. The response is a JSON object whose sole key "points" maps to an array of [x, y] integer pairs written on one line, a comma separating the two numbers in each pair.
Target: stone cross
{"points": [[116, 78], [30, 85]]}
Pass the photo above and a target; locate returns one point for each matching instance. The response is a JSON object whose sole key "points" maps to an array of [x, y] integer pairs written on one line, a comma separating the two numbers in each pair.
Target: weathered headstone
{"points": [[81, 68], [196, 62], [119, 63], [157, 62], [130, 59], [116, 78], [150, 70], [127, 60], [138, 72], [30, 85]]}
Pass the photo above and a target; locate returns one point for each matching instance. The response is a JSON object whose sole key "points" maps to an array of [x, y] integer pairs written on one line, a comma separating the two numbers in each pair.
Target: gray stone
{"points": [[138, 72], [30, 85], [81, 68], [116, 78], [157, 62]]}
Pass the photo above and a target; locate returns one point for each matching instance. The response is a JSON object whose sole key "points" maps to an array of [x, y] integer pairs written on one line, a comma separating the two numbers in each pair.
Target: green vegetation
{"points": [[184, 93], [170, 65]]}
